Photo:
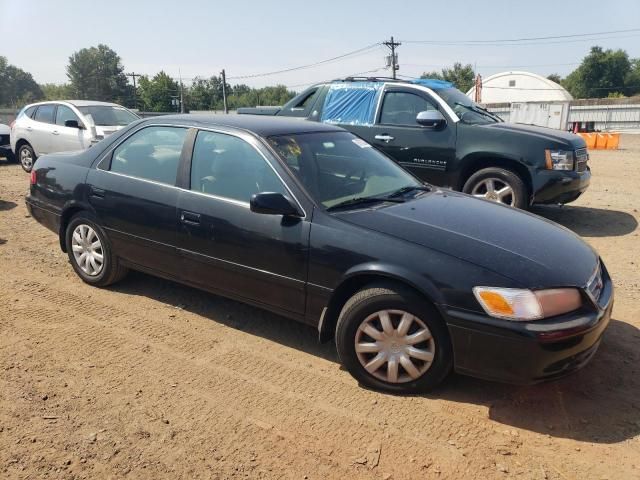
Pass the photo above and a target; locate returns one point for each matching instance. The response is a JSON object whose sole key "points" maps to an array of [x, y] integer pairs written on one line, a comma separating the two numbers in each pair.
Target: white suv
{"points": [[62, 126]]}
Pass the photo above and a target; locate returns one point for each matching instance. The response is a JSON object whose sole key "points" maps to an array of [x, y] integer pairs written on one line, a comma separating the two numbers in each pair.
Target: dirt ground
{"points": [[151, 379]]}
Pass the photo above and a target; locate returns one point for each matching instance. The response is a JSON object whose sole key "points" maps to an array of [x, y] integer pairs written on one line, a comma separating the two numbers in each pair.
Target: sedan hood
{"points": [[499, 238], [548, 134]]}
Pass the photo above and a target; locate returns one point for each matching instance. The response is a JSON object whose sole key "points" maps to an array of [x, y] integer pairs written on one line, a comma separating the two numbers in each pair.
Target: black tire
{"points": [[505, 176], [376, 298], [26, 166], [111, 270]]}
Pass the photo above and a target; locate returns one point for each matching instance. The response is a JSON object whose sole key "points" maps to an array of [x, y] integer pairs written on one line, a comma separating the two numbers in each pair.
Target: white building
{"points": [[511, 87], [529, 98]]}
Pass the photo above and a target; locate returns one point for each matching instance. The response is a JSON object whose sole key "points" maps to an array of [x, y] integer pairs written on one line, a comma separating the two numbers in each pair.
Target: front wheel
{"points": [[497, 185], [90, 252], [392, 339], [27, 157]]}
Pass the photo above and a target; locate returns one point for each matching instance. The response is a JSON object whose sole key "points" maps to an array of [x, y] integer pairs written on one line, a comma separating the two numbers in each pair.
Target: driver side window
{"points": [[401, 108]]}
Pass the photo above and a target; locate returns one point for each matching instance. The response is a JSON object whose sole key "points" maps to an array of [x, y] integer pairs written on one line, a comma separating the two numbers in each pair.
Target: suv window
{"points": [[401, 108], [227, 166], [45, 113], [64, 113], [29, 112], [153, 153]]}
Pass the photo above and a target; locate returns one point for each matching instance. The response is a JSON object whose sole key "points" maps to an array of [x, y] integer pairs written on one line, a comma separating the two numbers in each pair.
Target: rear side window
{"points": [[402, 108], [29, 112], [45, 113], [152, 153], [64, 113], [227, 166]]}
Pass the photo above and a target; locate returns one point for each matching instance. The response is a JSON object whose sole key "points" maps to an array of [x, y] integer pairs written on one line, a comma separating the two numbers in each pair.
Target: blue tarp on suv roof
{"points": [[433, 83], [351, 103]]}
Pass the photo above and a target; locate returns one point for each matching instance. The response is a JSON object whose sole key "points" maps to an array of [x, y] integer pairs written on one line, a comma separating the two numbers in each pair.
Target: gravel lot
{"points": [[150, 379]]}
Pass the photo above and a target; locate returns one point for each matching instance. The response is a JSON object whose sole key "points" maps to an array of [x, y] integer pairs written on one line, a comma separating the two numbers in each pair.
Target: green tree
{"points": [[632, 80], [96, 73], [601, 72], [462, 76], [53, 91], [554, 77], [17, 87], [156, 94]]}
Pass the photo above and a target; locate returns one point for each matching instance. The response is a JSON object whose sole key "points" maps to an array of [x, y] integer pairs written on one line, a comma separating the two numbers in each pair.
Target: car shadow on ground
{"points": [[600, 403], [5, 205], [589, 222]]}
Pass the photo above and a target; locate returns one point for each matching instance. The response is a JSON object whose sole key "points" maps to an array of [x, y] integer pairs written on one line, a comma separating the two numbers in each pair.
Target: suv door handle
{"points": [[385, 137], [190, 218], [56, 132], [96, 193]]}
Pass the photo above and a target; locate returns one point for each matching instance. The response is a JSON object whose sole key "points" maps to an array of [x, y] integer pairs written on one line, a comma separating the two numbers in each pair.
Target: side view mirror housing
{"points": [[73, 124], [431, 119], [273, 203]]}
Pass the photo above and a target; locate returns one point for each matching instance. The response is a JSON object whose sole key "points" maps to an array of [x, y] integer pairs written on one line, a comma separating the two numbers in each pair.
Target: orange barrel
{"points": [[613, 141], [590, 140], [601, 140]]}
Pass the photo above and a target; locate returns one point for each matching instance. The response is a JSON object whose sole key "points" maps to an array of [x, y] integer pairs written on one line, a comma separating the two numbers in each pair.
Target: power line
{"points": [[525, 39], [310, 65]]}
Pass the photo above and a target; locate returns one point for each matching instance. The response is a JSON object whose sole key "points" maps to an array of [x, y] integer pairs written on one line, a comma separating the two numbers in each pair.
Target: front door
{"points": [[427, 153], [134, 195], [67, 139], [227, 247]]}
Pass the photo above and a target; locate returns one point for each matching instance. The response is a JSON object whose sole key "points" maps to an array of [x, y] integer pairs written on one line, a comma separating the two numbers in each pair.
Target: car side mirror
{"points": [[73, 124], [431, 119], [273, 203]]}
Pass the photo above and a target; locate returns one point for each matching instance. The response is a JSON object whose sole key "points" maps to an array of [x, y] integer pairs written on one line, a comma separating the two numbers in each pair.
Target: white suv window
{"points": [[45, 113], [65, 113]]}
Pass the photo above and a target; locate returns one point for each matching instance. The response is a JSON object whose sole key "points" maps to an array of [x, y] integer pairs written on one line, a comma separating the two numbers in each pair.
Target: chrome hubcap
{"points": [[87, 250], [26, 158], [495, 190], [394, 346]]}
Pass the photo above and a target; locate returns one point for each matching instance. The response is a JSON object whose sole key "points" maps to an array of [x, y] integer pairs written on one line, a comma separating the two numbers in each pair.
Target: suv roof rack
{"points": [[370, 79]]}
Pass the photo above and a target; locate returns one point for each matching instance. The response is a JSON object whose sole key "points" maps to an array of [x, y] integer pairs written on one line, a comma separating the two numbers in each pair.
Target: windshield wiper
{"points": [[362, 200], [410, 188], [480, 110]]}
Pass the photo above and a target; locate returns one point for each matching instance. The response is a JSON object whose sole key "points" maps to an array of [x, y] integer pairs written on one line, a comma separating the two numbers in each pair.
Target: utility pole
{"points": [[224, 90], [394, 58], [181, 96], [135, 90]]}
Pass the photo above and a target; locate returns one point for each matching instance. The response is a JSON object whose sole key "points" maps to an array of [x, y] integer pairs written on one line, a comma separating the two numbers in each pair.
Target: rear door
{"points": [[68, 139], [134, 194], [40, 132], [227, 247], [427, 153]]}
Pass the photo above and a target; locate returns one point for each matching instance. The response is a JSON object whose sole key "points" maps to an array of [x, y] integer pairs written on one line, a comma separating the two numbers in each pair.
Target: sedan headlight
{"points": [[559, 159], [524, 305]]}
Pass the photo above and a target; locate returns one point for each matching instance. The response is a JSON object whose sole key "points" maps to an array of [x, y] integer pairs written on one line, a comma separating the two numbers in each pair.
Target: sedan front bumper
{"points": [[528, 352]]}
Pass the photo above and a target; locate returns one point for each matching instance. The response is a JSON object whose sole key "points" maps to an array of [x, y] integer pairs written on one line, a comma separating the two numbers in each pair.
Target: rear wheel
{"points": [[90, 252], [26, 156], [498, 185], [392, 339]]}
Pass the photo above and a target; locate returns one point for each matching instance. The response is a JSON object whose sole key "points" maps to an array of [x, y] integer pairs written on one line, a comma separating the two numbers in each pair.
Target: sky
{"points": [[198, 38]]}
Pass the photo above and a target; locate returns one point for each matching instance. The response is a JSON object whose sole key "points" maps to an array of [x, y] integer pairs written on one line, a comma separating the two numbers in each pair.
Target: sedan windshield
{"points": [[105, 115], [338, 168], [465, 108]]}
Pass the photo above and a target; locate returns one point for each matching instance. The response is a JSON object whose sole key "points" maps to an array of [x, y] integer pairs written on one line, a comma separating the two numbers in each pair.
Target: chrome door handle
{"points": [[29, 129], [55, 132], [384, 137]]}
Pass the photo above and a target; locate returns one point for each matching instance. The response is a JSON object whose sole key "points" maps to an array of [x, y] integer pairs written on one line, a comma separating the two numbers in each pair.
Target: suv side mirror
{"points": [[273, 203], [431, 119], [73, 124]]}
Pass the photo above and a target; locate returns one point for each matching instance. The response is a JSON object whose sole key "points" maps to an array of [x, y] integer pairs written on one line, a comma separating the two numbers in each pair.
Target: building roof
{"points": [[518, 86], [263, 125]]}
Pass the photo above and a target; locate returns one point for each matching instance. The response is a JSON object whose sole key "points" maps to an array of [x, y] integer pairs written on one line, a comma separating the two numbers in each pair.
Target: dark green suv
{"points": [[444, 138]]}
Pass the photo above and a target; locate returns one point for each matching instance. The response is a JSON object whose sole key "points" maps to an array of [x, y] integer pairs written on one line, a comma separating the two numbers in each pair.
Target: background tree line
{"points": [[97, 73]]}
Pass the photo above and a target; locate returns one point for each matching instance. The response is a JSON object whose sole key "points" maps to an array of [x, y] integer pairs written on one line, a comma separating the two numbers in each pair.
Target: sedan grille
{"points": [[595, 286], [582, 156]]}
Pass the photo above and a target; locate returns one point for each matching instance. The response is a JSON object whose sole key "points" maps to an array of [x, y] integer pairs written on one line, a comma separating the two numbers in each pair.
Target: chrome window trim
{"points": [[242, 135]]}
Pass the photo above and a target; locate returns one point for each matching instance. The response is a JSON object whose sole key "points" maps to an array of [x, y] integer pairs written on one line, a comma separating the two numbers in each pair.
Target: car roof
{"points": [[79, 103], [263, 125]]}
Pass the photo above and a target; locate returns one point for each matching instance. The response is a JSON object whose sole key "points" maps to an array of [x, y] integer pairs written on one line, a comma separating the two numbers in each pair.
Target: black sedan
{"points": [[307, 220]]}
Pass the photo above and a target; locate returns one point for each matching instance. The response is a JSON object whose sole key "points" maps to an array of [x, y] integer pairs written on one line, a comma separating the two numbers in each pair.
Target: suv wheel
{"points": [[497, 185], [90, 252], [393, 340], [26, 156]]}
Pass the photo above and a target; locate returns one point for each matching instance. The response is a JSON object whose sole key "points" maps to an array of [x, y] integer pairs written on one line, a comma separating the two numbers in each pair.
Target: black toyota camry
{"points": [[309, 221]]}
